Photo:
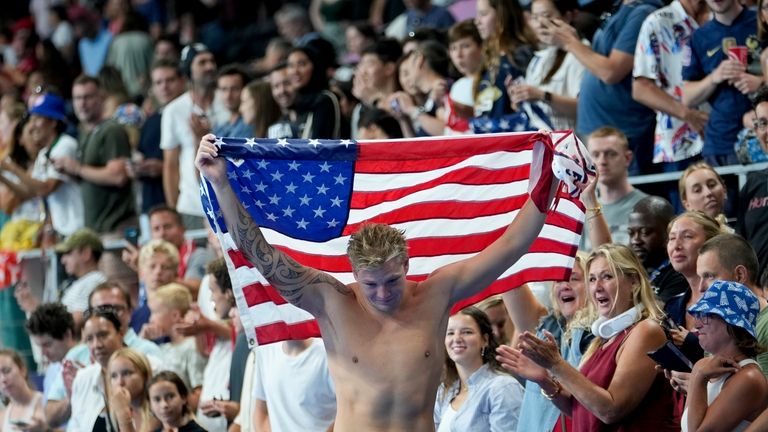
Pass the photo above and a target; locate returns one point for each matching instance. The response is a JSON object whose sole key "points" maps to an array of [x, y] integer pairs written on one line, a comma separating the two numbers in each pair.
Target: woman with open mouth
{"points": [[568, 322], [617, 386]]}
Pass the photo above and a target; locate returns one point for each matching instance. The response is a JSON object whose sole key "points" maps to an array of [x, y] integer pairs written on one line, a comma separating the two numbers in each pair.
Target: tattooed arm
{"points": [[302, 286]]}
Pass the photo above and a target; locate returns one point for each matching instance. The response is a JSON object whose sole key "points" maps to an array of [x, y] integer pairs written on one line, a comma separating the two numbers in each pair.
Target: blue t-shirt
{"points": [[152, 192], [436, 17], [706, 51], [93, 52], [601, 104]]}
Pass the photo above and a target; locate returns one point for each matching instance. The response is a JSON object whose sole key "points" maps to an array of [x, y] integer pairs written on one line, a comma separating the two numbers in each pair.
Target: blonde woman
{"points": [[128, 373], [617, 383], [568, 321], [701, 188]]}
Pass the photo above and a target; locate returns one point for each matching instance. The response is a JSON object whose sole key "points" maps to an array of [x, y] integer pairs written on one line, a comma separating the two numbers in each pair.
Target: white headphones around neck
{"points": [[607, 328]]}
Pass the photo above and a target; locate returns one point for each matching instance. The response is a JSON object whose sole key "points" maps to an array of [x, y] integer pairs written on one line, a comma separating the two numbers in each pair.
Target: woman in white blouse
{"points": [[476, 393]]}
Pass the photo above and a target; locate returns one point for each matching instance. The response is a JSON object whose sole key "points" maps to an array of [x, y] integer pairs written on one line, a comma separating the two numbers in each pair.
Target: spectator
{"points": [[103, 334], [508, 45], [711, 75], [617, 383], [702, 188], [359, 36], [686, 233], [167, 85], [81, 252], [131, 50], [118, 105], [276, 53], [158, 263], [93, 38], [52, 328], [191, 113], [229, 84], [129, 373], [377, 124], [428, 66], [167, 47], [605, 96], [753, 199], [60, 191], [728, 257], [293, 388], [63, 36], [318, 114], [465, 48], [726, 318], [610, 151], [104, 146], [375, 77], [285, 95], [568, 322], [502, 326], [658, 81], [553, 77], [476, 393], [167, 396], [293, 24], [22, 405], [258, 108], [647, 229], [169, 304], [419, 14], [210, 414]]}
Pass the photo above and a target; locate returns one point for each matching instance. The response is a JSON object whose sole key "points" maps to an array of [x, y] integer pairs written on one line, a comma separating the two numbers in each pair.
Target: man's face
{"points": [[203, 69], [167, 85], [229, 88], [74, 260], [282, 88], [165, 226], [721, 7], [383, 286], [647, 238], [709, 268], [610, 157], [157, 271], [113, 297], [102, 339], [761, 125], [87, 101], [53, 350], [372, 71]]}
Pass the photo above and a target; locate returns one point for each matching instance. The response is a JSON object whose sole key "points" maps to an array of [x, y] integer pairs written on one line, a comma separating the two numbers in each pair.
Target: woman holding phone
{"points": [[22, 407]]}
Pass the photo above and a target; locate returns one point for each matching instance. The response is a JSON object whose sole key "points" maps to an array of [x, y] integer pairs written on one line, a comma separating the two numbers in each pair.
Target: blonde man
{"points": [[169, 305], [158, 261]]}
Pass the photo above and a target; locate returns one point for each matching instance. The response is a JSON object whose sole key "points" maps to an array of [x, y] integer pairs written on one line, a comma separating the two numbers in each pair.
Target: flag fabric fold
{"points": [[453, 196]]}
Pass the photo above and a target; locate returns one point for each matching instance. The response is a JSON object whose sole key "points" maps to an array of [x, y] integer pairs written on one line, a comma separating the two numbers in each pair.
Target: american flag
{"points": [[452, 195]]}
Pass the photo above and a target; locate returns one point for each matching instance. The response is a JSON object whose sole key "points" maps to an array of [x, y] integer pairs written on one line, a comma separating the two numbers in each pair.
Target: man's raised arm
{"points": [[302, 286]]}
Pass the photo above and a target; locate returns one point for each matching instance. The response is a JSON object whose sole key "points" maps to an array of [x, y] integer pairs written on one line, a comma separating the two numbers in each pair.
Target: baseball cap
{"points": [[188, 54], [79, 239]]}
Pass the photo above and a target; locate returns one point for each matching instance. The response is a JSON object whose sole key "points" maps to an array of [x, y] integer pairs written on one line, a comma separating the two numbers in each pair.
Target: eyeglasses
{"points": [[760, 124], [704, 318]]}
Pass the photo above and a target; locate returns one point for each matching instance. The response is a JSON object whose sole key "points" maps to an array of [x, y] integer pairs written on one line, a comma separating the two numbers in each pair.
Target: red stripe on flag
{"points": [[446, 147], [258, 293], [238, 259], [280, 331], [463, 176]]}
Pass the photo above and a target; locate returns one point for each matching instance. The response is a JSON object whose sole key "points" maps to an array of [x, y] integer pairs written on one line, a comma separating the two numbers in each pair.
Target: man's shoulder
{"points": [[184, 101]]}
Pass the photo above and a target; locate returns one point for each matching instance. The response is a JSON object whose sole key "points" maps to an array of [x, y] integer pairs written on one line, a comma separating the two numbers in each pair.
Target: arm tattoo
{"points": [[285, 274]]}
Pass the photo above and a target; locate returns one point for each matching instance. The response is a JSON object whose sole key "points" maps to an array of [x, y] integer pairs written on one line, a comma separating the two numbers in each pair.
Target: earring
{"points": [[482, 352]]}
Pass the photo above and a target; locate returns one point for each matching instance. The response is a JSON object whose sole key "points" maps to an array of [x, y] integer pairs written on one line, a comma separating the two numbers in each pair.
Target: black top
{"points": [[191, 426]]}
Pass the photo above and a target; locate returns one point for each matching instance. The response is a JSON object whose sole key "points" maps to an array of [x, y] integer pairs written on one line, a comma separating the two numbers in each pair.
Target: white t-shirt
{"points": [[175, 131], [184, 359], [76, 296], [565, 82], [216, 384], [297, 389], [66, 202]]}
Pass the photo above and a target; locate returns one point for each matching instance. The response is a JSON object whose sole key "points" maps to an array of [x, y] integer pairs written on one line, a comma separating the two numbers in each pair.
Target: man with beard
{"points": [[184, 121]]}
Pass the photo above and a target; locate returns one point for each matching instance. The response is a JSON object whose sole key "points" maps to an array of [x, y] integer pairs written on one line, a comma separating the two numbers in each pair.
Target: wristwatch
{"points": [[547, 97]]}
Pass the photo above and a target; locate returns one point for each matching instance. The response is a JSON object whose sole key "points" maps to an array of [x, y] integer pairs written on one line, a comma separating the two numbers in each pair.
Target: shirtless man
{"points": [[383, 333]]}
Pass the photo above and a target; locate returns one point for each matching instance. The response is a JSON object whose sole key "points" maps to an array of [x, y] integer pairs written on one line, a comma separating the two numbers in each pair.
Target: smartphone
{"points": [[395, 105], [132, 236], [670, 357]]}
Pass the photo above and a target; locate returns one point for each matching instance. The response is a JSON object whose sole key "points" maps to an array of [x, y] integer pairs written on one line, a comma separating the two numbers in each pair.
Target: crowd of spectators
{"points": [[104, 104]]}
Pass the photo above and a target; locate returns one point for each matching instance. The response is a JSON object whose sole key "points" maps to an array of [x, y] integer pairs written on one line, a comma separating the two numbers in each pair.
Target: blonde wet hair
{"points": [[374, 244]]}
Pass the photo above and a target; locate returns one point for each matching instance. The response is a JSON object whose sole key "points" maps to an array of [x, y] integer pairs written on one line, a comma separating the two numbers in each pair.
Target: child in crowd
{"points": [[168, 399], [169, 305], [158, 261]]}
